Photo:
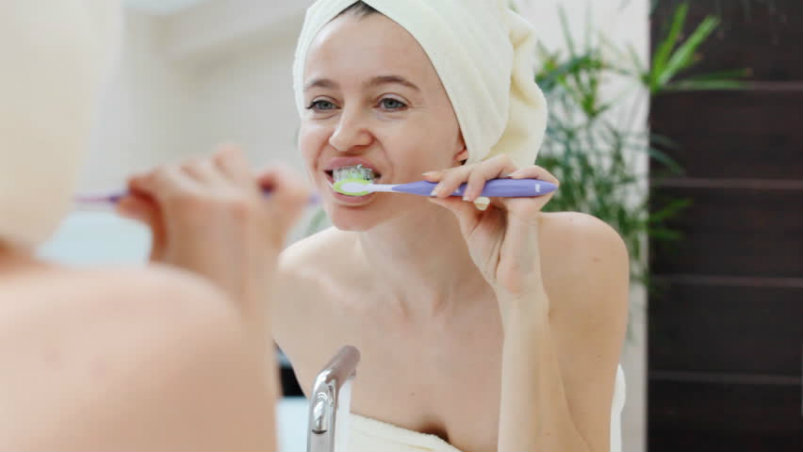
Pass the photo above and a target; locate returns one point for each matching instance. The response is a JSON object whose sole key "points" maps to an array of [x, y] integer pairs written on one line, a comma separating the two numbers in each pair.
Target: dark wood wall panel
{"points": [[762, 35], [744, 134], [711, 328], [751, 233], [726, 320], [687, 416]]}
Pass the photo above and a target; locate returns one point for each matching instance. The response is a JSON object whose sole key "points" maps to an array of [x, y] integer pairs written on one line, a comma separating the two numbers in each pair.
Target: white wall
{"points": [[179, 92], [247, 97], [142, 118], [220, 71]]}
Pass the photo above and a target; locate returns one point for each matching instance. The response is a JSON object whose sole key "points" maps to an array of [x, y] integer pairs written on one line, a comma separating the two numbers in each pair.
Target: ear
{"points": [[462, 152]]}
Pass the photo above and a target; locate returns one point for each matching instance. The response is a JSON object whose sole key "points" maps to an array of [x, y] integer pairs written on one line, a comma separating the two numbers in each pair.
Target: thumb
{"points": [[147, 212]]}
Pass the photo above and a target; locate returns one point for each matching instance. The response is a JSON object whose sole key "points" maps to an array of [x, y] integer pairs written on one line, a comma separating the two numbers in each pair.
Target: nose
{"points": [[352, 132]]}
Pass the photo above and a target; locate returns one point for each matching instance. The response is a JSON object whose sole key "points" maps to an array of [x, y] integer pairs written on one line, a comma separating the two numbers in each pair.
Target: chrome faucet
{"points": [[330, 402]]}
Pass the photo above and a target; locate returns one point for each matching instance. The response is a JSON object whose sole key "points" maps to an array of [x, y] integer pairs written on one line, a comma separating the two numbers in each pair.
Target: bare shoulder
{"points": [[585, 262], [142, 357], [315, 276], [311, 264], [313, 252], [128, 296], [582, 233]]}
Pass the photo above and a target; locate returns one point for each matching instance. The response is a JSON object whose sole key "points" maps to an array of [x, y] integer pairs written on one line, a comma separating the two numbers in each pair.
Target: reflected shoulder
{"points": [[140, 356]]}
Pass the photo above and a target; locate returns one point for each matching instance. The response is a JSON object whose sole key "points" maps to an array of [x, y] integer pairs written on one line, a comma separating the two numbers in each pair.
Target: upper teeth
{"points": [[353, 172]]}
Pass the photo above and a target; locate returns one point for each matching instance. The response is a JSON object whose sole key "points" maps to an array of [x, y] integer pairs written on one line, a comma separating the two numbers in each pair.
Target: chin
{"points": [[383, 209], [355, 219], [380, 210]]}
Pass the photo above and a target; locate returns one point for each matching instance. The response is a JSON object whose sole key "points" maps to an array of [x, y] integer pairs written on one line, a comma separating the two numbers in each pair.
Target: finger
{"points": [[204, 171], [147, 212], [535, 172], [485, 171], [163, 184], [527, 208], [433, 176], [482, 203], [132, 206], [467, 215], [233, 164], [135, 181], [451, 179]]}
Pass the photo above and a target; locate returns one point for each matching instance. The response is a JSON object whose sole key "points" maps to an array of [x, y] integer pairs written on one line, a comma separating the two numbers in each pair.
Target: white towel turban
{"points": [[53, 56], [484, 54]]}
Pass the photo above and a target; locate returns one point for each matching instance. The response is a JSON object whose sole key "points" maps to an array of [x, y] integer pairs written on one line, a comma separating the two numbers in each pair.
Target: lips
{"points": [[344, 162]]}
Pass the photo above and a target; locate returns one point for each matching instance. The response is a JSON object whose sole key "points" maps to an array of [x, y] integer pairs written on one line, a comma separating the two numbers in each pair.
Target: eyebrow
{"points": [[388, 79], [376, 81], [320, 83]]}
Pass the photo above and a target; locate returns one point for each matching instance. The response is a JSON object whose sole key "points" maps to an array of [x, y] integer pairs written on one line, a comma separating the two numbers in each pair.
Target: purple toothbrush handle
{"points": [[494, 188]]}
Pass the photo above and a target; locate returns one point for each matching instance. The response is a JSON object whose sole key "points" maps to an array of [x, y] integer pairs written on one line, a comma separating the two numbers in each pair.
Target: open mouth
{"points": [[354, 172], [355, 176]]}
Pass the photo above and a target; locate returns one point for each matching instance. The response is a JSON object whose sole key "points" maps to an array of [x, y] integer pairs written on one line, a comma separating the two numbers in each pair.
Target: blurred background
{"points": [[679, 123]]}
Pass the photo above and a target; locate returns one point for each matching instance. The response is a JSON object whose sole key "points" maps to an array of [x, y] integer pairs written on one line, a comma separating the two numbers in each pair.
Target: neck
{"points": [[421, 261]]}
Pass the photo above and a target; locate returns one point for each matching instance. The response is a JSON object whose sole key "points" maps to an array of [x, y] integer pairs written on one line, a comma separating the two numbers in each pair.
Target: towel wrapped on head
{"points": [[58, 54], [484, 54]]}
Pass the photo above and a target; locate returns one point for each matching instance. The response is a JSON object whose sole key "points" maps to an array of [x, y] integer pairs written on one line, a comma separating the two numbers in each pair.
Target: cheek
{"points": [[425, 147]]}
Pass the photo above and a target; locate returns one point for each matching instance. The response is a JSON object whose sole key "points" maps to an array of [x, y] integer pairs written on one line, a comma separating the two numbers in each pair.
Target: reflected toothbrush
{"points": [[99, 199], [89, 200]]}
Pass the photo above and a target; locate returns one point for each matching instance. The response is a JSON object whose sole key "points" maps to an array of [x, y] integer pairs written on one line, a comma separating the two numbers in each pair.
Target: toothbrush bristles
{"points": [[353, 172]]}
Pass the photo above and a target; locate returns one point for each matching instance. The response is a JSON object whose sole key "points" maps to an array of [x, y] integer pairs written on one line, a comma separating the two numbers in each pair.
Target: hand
{"points": [[210, 216], [502, 239]]}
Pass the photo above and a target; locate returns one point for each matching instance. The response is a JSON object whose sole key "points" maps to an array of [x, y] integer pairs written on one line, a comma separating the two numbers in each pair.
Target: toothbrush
{"points": [[115, 197], [99, 199], [357, 181]]}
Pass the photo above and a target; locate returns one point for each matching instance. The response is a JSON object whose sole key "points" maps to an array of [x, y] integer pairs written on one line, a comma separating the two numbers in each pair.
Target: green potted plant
{"points": [[595, 156]]}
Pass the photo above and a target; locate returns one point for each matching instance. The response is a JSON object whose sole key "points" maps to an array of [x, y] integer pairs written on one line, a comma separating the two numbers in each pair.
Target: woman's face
{"points": [[372, 97]]}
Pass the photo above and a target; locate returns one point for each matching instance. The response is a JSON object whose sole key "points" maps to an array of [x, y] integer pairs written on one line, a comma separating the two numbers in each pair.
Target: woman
{"points": [[496, 329], [113, 359]]}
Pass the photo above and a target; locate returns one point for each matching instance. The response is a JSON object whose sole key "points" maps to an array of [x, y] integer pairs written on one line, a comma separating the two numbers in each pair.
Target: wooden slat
{"points": [[725, 378], [725, 335], [724, 417], [726, 329], [734, 232], [750, 134], [739, 184], [730, 281], [762, 35]]}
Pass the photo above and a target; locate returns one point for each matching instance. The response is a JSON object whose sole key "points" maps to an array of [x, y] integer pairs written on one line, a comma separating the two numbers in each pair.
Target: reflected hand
{"points": [[210, 216]]}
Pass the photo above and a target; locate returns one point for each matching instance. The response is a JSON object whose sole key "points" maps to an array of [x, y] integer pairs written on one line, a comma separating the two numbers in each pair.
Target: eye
{"points": [[392, 104], [321, 105]]}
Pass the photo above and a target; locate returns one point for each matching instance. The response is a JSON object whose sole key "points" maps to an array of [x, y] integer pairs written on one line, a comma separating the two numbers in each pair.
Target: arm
{"points": [[563, 324], [559, 364]]}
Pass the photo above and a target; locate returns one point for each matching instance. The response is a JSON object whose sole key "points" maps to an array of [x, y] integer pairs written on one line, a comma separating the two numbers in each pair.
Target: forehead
{"points": [[362, 47]]}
